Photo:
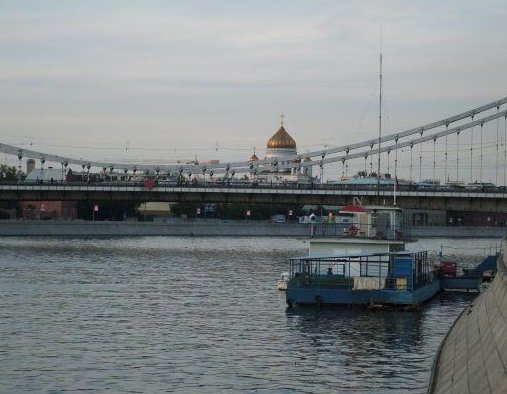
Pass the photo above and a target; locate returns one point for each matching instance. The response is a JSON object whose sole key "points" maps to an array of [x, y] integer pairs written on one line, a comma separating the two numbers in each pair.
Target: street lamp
{"points": [[88, 166], [42, 161], [64, 167], [20, 156]]}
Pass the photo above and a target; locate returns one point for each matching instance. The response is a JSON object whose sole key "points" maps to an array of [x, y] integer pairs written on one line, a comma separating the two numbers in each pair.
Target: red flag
{"points": [[149, 183]]}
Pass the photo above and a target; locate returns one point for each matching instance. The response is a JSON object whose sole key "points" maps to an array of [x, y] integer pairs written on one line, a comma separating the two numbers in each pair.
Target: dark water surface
{"points": [[198, 315]]}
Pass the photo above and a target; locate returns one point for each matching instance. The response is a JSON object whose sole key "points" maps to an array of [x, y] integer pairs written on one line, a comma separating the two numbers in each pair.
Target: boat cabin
{"points": [[359, 229], [404, 278]]}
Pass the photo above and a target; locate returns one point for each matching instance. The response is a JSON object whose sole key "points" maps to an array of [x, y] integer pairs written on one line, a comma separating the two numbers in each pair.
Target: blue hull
{"points": [[320, 295], [460, 283]]}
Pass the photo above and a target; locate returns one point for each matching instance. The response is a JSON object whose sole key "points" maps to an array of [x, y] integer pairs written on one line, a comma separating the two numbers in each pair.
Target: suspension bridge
{"points": [[469, 148]]}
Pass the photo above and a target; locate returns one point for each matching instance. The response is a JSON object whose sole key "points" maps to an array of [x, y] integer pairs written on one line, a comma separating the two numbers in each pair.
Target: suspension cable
{"points": [[420, 163], [420, 159], [496, 162], [505, 150], [471, 154], [396, 161], [411, 151], [434, 159], [445, 170], [480, 166], [457, 157]]}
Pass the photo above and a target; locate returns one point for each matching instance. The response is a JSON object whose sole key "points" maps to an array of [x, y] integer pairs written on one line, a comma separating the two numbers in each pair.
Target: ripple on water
{"points": [[189, 314]]}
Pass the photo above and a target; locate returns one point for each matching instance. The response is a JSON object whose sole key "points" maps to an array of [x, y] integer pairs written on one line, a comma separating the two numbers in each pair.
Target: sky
{"points": [[160, 81]]}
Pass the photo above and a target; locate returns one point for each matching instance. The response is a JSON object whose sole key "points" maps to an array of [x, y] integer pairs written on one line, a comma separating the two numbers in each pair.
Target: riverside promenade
{"points": [[208, 227], [473, 356]]}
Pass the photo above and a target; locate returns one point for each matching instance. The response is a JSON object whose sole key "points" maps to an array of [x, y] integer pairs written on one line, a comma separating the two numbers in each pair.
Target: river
{"points": [[200, 315]]}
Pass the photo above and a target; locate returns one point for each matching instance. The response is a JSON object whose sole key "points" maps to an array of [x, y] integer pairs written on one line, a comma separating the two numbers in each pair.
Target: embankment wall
{"points": [[210, 227], [473, 356], [110, 228]]}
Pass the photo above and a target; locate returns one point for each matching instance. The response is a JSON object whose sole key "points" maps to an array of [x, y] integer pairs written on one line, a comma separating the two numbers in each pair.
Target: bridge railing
{"points": [[263, 185]]}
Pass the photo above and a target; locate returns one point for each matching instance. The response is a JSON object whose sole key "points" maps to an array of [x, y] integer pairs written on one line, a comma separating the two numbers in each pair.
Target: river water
{"points": [[199, 315]]}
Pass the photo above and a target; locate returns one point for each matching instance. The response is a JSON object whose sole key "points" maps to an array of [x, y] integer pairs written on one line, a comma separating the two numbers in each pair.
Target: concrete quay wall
{"points": [[473, 356], [210, 227], [110, 228]]}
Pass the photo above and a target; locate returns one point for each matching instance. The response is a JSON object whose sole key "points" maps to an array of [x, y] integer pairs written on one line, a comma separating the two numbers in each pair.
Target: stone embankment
{"points": [[189, 227], [473, 357], [209, 227]]}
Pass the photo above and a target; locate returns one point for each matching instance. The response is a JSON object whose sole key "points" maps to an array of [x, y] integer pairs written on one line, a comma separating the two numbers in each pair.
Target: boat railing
{"points": [[357, 230], [363, 272]]}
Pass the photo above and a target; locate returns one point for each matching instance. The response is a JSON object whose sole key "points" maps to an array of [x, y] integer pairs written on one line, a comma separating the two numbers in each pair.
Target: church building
{"points": [[284, 167]]}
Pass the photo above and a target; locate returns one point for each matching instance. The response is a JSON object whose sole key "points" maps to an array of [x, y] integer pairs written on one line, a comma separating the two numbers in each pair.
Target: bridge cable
{"points": [[420, 164], [409, 132], [471, 154], [420, 159], [434, 159], [457, 157], [396, 162], [480, 165], [505, 150], [411, 151], [14, 150], [445, 170], [371, 160], [496, 162]]}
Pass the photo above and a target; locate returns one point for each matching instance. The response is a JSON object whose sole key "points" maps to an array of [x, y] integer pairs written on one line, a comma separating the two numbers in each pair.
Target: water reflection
{"points": [[377, 351]]}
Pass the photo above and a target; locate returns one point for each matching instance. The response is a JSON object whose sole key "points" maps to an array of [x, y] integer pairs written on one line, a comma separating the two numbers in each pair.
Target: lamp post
{"points": [[64, 168], [20, 156], [88, 166], [42, 161]]}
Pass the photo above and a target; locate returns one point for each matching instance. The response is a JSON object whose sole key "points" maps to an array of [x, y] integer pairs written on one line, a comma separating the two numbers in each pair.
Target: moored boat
{"points": [[387, 278]]}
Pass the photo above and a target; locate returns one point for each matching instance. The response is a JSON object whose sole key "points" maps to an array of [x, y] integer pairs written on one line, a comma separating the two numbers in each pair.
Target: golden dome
{"points": [[281, 140], [253, 157]]}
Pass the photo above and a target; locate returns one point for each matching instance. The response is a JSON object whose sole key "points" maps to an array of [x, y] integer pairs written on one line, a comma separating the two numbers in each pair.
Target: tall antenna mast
{"points": [[379, 131]]}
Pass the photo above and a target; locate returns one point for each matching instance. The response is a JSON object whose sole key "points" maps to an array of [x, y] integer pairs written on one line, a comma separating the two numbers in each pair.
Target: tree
{"points": [[8, 173]]}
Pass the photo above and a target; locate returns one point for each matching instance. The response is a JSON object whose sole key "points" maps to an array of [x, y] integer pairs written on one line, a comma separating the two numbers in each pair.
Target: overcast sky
{"points": [[166, 80]]}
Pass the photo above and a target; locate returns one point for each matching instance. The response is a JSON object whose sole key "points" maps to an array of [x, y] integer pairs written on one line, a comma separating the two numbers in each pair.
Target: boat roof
{"points": [[355, 255]]}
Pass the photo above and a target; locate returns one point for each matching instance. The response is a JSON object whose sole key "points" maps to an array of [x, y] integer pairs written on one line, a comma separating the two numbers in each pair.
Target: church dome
{"points": [[253, 157], [281, 140]]}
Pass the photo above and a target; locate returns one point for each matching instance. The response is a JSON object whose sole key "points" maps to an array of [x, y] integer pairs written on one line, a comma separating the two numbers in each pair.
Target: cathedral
{"points": [[280, 150]]}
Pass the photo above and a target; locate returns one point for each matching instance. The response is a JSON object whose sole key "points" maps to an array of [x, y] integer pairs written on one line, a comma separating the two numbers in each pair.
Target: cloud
{"points": [[222, 71]]}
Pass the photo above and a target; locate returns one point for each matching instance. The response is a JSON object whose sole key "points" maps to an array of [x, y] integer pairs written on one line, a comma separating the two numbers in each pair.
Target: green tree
{"points": [[8, 173]]}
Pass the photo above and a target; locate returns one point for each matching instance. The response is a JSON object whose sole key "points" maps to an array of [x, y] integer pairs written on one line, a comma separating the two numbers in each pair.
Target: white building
{"points": [[280, 150]]}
